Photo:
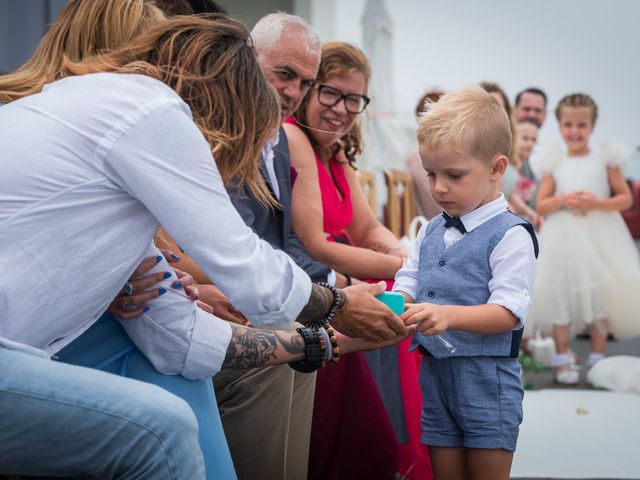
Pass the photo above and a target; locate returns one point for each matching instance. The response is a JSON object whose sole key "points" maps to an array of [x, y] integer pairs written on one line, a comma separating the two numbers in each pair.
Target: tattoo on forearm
{"points": [[250, 347], [318, 305]]}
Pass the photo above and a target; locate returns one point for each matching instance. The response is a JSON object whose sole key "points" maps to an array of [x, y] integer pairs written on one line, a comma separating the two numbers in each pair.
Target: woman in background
{"points": [[331, 216]]}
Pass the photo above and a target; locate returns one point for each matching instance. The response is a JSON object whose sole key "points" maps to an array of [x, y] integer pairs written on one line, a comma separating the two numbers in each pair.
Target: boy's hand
{"points": [[430, 319]]}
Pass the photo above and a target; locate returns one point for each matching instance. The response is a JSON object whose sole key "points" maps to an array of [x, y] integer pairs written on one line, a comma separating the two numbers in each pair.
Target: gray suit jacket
{"points": [[274, 225]]}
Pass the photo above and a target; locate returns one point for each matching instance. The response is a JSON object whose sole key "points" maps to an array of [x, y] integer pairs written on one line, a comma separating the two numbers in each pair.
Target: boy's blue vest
{"points": [[460, 275]]}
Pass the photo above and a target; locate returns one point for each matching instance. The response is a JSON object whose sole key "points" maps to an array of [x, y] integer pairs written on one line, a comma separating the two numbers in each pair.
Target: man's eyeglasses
{"points": [[330, 97]]}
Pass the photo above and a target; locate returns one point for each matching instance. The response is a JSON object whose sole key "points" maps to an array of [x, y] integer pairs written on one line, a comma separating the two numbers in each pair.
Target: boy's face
{"points": [[460, 182]]}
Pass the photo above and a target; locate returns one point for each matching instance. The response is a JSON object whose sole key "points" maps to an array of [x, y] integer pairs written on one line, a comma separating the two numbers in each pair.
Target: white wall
{"points": [[562, 46]]}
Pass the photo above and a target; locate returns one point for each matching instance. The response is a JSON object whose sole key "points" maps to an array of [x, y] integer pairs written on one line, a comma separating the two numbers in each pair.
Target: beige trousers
{"points": [[266, 414]]}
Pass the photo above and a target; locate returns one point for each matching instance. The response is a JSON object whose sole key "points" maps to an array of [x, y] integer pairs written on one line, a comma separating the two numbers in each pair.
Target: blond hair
{"points": [[209, 61], [83, 28], [577, 100], [339, 59], [470, 120]]}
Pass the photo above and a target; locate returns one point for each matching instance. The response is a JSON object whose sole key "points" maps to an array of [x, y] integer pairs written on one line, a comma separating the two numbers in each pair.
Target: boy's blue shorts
{"points": [[471, 402]]}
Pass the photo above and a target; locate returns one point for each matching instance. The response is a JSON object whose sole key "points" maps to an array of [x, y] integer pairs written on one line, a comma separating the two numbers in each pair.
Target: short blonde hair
{"points": [[470, 120]]}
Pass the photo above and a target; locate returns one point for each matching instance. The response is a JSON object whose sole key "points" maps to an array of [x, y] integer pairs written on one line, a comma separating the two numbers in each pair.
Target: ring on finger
{"points": [[124, 302], [128, 288]]}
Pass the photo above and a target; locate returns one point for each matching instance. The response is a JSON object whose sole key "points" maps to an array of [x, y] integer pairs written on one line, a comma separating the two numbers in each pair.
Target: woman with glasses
{"points": [[328, 202], [331, 216]]}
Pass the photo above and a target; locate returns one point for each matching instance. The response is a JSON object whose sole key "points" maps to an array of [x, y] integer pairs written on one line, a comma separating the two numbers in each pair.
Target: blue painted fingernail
{"points": [[158, 258], [166, 275], [177, 284], [162, 291], [145, 309], [175, 257]]}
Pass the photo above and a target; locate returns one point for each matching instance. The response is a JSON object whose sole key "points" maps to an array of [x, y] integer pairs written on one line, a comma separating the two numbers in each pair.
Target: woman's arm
{"points": [[547, 202], [164, 241], [307, 220], [365, 230], [520, 207], [208, 292]]}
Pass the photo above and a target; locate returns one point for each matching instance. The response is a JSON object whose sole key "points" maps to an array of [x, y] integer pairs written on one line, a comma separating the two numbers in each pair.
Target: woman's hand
{"points": [[384, 248], [536, 220], [131, 300], [187, 282], [222, 307]]}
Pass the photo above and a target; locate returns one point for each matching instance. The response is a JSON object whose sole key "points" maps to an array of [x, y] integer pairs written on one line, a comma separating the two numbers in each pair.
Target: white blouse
{"points": [[90, 168]]}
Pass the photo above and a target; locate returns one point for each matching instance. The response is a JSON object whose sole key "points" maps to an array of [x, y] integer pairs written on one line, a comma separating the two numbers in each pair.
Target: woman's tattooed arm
{"points": [[250, 347]]}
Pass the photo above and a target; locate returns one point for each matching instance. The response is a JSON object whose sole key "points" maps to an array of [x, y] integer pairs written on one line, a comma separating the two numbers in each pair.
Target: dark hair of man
{"points": [[174, 7], [533, 90], [206, 6], [189, 7]]}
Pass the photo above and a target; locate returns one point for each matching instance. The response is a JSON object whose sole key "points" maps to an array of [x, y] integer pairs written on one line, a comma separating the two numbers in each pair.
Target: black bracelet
{"points": [[337, 301], [314, 356], [349, 281]]}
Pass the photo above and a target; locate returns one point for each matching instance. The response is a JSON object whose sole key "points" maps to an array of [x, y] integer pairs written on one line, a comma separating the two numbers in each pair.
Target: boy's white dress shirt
{"points": [[512, 262]]}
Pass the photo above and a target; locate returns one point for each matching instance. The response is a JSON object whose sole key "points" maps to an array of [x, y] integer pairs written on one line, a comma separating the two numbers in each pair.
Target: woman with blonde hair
{"points": [[121, 144], [74, 37]]}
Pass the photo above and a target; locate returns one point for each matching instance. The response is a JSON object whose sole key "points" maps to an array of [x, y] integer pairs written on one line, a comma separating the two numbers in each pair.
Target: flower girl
{"points": [[589, 269]]}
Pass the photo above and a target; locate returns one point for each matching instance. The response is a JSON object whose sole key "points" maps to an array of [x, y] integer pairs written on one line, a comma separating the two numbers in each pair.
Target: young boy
{"points": [[470, 275]]}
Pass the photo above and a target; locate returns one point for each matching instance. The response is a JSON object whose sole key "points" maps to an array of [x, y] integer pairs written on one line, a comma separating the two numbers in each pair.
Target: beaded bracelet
{"points": [[328, 346], [313, 351], [338, 301], [335, 350], [323, 348]]}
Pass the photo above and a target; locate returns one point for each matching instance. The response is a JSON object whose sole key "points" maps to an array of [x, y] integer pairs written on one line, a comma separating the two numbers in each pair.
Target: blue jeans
{"points": [[106, 346], [63, 420]]}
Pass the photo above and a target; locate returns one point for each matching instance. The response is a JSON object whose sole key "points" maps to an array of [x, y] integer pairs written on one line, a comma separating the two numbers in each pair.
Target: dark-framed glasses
{"points": [[331, 96]]}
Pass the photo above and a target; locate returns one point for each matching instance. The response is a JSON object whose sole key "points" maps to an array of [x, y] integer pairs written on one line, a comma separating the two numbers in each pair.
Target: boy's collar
{"points": [[477, 217]]}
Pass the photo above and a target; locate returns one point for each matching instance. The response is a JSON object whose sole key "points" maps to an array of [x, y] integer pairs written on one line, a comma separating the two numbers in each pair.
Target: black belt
{"points": [[423, 351]]}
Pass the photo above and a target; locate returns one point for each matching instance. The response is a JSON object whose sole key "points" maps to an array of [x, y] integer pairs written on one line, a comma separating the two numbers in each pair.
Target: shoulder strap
{"points": [[529, 228]]}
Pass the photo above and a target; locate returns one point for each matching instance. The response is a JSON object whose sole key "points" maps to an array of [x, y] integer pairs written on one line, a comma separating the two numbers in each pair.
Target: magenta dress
{"points": [[352, 435]]}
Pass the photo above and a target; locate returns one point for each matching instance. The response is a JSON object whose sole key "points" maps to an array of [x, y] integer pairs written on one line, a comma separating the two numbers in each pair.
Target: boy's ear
{"points": [[499, 166]]}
